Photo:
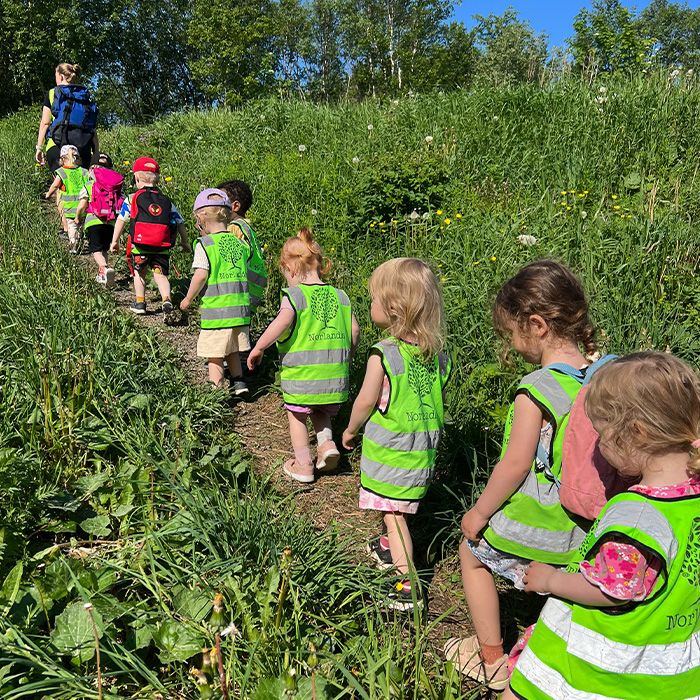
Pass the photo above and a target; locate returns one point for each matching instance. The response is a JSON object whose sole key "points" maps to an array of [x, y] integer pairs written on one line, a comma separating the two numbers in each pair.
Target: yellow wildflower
{"points": [[478, 262], [563, 193], [568, 208], [439, 212], [585, 192], [127, 162], [580, 194], [572, 191], [168, 179], [443, 279], [493, 258], [372, 225], [614, 196], [563, 204], [458, 216], [448, 222], [616, 207], [382, 224]]}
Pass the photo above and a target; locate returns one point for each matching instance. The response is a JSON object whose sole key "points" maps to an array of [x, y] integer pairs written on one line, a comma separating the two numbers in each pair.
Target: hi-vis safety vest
{"points": [[315, 355], [400, 444], [226, 303], [532, 524], [257, 274], [73, 179], [649, 649]]}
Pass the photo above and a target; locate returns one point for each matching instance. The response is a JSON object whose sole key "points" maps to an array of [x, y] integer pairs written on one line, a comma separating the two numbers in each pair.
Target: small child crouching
{"points": [[220, 263]]}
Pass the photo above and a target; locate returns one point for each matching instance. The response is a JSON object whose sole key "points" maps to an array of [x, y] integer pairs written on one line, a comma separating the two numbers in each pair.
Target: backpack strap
{"points": [[569, 370], [597, 365]]}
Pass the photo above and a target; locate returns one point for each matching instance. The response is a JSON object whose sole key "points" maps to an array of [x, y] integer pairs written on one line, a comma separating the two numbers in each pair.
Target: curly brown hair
{"points": [[548, 289]]}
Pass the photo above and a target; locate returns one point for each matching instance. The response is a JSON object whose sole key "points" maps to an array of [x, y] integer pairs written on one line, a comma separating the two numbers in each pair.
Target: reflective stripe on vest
{"points": [[257, 274], [315, 356], [532, 524], [646, 649], [226, 302], [399, 446]]}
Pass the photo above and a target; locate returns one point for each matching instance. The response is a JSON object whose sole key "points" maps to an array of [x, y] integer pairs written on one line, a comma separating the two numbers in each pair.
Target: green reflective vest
{"points": [[649, 649], [400, 444], [73, 179], [226, 302], [315, 354], [50, 142], [532, 523], [257, 274]]}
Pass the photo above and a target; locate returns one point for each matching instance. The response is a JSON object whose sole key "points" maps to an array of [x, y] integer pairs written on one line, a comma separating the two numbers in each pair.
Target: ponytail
{"points": [[301, 254], [70, 71]]}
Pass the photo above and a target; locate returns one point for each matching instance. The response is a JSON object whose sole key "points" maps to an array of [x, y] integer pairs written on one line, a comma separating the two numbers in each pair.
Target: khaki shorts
{"points": [[221, 342]]}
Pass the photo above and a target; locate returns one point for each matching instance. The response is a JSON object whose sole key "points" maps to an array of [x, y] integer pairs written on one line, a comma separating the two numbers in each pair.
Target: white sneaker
{"points": [[101, 279], [109, 276]]}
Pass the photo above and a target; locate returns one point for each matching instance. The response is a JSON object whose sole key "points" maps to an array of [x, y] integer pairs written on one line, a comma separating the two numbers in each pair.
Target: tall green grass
{"points": [[124, 489]]}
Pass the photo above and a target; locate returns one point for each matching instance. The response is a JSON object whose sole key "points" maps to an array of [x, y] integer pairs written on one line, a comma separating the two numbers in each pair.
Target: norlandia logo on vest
{"points": [[324, 307], [324, 335]]}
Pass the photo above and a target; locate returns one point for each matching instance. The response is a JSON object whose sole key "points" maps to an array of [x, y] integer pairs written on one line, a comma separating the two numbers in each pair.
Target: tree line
{"points": [[148, 59]]}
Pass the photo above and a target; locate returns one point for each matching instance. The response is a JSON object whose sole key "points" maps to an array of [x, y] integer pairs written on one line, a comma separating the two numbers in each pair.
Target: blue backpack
{"points": [[72, 108]]}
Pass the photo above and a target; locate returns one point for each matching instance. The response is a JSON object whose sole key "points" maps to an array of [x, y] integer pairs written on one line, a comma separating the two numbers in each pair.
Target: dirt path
{"points": [[261, 423]]}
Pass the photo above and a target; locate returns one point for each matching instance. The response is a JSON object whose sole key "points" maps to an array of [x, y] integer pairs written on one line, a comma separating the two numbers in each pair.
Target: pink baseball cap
{"points": [[211, 197]]}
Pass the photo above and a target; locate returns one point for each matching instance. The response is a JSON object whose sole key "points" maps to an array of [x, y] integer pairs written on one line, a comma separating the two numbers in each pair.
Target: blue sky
{"points": [[554, 18]]}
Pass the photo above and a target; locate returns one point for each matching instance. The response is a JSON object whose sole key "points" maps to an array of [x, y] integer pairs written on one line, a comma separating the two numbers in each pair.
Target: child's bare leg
{"points": [[216, 371], [140, 287], [163, 284], [508, 694], [482, 599], [322, 427], [101, 261], [400, 542], [300, 438], [234, 365]]}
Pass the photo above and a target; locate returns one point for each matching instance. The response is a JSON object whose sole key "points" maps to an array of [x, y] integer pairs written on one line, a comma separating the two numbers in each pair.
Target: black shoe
{"points": [[138, 307], [168, 311], [239, 387], [403, 597], [380, 554]]}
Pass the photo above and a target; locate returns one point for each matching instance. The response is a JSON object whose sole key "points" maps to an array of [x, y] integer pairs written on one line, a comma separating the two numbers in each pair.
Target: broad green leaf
{"points": [[139, 402], [192, 605], [10, 587], [73, 634], [98, 526], [90, 483], [177, 642], [269, 689]]}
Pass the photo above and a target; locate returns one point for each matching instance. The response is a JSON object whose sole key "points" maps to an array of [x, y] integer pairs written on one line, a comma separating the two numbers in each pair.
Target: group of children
{"points": [[623, 615]]}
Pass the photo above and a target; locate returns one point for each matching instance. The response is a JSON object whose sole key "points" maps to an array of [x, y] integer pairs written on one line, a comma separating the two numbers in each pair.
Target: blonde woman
{"points": [[402, 403], [68, 118]]}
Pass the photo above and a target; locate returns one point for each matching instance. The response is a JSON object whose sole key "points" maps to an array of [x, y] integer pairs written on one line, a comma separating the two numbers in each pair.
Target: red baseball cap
{"points": [[145, 165]]}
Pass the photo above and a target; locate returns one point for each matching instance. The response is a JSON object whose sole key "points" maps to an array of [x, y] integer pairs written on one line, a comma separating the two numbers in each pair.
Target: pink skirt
{"points": [[329, 409], [370, 501]]}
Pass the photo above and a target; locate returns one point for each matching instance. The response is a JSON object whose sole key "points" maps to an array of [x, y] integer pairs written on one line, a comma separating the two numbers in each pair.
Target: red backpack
{"points": [[588, 480], [107, 196], [151, 213]]}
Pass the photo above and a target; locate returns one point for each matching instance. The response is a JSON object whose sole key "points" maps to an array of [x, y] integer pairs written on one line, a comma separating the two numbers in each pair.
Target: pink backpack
{"points": [[107, 197], [588, 481]]}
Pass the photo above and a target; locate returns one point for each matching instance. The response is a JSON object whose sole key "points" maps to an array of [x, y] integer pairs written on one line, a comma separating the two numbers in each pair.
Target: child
{"points": [[69, 181], [543, 314], [220, 263], [401, 400], [100, 203], [241, 200], [624, 620], [154, 221], [316, 334]]}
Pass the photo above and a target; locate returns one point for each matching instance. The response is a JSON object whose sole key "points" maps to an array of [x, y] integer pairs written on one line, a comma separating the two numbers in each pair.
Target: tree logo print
{"points": [[324, 305], [231, 249], [691, 564], [421, 377]]}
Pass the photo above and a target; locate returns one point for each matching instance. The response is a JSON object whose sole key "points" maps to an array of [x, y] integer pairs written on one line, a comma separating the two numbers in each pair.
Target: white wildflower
{"points": [[88, 606], [495, 117], [395, 103], [527, 239], [602, 89], [428, 139], [355, 160], [302, 148], [689, 73], [675, 73], [414, 215], [231, 630], [370, 127], [314, 212], [426, 215]]}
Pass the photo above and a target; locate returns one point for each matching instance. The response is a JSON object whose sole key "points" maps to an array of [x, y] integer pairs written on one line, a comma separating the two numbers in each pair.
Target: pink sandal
{"points": [[327, 457], [291, 467]]}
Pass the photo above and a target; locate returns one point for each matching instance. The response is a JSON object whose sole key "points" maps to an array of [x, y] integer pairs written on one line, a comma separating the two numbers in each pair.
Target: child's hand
{"points": [[254, 358], [472, 524], [114, 248], [537, 578], [185, 304], [349, 440], [47, 195]]}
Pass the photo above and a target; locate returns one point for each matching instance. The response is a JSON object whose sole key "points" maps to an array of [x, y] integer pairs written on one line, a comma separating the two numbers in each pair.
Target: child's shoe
{"points": [[327, 457], [109, 275], [101, 279], [403, 597], [138, 307], [464, 653], [239, 387], [167, 311], [299, 472], [378, 549]]}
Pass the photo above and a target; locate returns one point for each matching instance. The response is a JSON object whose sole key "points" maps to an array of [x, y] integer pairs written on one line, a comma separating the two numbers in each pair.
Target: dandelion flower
{"points": [[443, 279], [581, 195], [428, 139], [614, 196], [447, 222], [572, 191], [690, 73], [563, 193], [568, 208], [478, 262], [616, 207], [373, 224], [394, 222], [355, 160], [314, 212], [526, 239], [370, 127], [127, 162], [302, 148], [168, 178], [602, 89], [492, 258], [458, 216], [439, 212], [563, 204], [382, 224], [414, 215]]}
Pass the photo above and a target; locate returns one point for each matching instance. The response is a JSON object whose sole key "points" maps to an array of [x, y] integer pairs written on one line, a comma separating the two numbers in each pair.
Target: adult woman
{"points": [[85, 140]]}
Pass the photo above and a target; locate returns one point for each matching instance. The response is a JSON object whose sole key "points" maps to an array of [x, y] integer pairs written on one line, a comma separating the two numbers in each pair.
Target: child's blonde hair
{"points": [[219, 215], [548, 289], [147, 179], [648, 402], [71, 159], [301, 254], [409, 292]]}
